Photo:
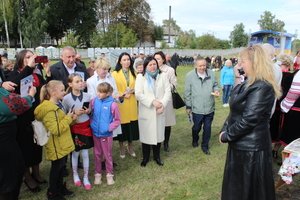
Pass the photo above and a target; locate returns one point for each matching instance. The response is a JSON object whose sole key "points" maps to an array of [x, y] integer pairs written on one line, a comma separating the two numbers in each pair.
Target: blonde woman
{"points": [[246, 130]]}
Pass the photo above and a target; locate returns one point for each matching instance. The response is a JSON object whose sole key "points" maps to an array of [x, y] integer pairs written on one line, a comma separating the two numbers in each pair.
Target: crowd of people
{"points": [[89, 107]]}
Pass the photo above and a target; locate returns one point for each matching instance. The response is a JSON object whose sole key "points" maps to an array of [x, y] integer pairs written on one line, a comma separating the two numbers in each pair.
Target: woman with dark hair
{"points": [[32, 153], [153, 91], [124, 76], [12, 164], [170, 112]]}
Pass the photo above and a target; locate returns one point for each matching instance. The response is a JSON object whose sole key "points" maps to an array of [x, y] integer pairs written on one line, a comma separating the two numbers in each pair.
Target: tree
{"points": [[207, 41], [117, 35], [295, 45], [186, 39], [7, 13], [158, 33], [34, 22], [85, 22], [134, 14], [172, 23], [269, 22], [238, 37]]}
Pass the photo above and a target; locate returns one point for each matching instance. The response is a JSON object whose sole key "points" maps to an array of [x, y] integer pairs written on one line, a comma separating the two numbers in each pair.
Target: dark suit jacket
{"points": [[59, 72]]}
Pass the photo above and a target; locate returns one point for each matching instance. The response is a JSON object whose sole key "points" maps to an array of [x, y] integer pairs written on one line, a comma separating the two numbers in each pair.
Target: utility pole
{"points": [[169, 36]]}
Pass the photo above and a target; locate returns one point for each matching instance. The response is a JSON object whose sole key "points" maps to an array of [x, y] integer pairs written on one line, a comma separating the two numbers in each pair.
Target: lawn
{"points": [[187, 174]]}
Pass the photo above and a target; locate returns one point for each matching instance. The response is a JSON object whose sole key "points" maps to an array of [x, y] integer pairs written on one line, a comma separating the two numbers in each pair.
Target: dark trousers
{"points": [[206, 120], [167, 134], [146, 151], [56, 175], [226, 93], [14, 195]]}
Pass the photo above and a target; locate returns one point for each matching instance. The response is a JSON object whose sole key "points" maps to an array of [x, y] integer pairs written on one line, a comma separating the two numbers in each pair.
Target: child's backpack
{"points": [[41, 135]]}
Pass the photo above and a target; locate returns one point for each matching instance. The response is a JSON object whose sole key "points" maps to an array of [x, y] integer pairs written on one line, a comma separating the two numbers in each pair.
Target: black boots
{"points": [[156, 154], [146, 154], [167, 138]]}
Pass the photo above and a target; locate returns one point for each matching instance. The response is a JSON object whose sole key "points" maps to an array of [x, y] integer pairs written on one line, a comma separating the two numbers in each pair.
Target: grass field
{"points": [[187, 174]]}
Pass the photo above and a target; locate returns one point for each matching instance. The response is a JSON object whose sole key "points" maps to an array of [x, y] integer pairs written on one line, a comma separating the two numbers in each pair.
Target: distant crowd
{"points": [[86, 108]]}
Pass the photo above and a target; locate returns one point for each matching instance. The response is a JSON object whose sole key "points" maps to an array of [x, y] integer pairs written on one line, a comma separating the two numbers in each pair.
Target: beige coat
{"points": [[170, 111], [151, 124]]}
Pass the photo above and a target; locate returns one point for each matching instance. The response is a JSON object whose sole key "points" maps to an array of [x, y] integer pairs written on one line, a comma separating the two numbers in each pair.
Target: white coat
{"points": [[170, 111], [151, 124]]}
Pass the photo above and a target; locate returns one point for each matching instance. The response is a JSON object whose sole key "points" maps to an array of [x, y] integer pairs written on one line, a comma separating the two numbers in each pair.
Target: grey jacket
{"points": [[198, 91]]}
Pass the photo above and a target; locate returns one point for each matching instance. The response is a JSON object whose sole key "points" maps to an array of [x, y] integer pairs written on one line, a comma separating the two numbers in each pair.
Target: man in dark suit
{"points": [[66, 66]]}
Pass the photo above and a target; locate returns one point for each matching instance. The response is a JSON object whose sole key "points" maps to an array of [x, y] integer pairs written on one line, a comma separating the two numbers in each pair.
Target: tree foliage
{"points": [[117, 35], [186, 39], [33, 22], [238, 37], [269, 22]]}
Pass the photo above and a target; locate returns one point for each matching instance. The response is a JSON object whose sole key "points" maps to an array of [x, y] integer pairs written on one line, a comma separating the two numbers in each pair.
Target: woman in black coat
{"points": [[32, 153], [248, 170]]}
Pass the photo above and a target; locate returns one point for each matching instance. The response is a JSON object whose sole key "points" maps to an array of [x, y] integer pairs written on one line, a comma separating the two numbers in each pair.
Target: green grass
{"points": [[187, 174]]}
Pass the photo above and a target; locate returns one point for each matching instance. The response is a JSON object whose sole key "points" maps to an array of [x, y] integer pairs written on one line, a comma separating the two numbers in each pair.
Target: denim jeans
{"points": [[226, 93], [206, 120]]}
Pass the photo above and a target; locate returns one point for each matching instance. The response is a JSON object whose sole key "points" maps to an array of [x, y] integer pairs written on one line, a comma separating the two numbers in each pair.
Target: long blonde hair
{"points": [[48, 88], [262, 67]]}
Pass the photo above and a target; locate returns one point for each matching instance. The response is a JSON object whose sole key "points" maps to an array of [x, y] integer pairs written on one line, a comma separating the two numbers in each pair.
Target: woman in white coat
{"points": [[152, 90], [170, 112]]}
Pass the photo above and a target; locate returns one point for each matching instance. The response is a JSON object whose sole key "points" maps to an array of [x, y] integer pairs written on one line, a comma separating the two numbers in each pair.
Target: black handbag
{"points": [[177, 100]]}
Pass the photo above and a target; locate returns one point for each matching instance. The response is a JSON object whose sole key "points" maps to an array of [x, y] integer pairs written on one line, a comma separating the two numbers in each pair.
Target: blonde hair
{"points": [[102, 63], [105, 88], [285, 60], [49, 88], [262, 67]]}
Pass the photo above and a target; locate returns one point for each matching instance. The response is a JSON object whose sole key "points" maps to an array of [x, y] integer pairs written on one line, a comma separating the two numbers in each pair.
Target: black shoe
{"points": [[166, 147], [159, 162], [206, 151], [65, 192], [195, 144], [55, 196], [43, 181], [144, 163], [33, 190]]}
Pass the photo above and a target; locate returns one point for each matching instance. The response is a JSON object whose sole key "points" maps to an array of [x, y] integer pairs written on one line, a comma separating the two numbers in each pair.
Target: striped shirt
{"points": [[293, 94]]}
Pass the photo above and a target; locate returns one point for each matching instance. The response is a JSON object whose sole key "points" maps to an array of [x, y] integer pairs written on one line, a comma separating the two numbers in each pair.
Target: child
{"points": [[60, 143], [81, 131], [105, 119]]}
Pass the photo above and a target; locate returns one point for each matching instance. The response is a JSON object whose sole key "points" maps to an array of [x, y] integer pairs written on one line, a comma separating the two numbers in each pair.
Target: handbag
{"points": [[176, 98], [40, 133]]}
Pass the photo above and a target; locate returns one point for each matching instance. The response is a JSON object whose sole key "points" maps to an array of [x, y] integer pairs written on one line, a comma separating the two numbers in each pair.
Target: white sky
{"points": [[218, 17]]}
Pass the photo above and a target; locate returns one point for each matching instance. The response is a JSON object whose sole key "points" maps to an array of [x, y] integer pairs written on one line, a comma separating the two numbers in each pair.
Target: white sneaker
{"points": [[97, 180], [110, 179]]}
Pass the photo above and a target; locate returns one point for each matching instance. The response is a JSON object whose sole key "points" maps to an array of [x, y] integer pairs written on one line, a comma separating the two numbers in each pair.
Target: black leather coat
{"points": [[247, 126]]}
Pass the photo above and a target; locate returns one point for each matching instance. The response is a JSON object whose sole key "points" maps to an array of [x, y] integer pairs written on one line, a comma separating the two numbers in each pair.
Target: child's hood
{"points": [[42, 109]]}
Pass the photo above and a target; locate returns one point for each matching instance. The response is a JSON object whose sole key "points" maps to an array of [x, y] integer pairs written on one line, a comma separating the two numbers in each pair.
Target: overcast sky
{"points": [[218, 17]]}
